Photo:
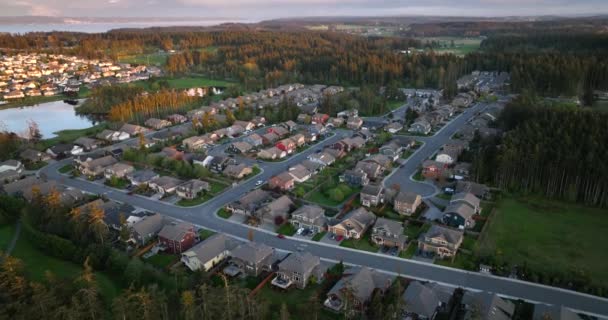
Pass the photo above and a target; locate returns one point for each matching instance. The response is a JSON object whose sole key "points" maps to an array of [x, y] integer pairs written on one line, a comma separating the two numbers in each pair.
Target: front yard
{"points": [[194, 202], [286, 229], [364, 244]]}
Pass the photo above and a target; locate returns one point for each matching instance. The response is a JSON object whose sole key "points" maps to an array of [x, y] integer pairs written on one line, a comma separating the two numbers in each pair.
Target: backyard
{"points": [[549, 236]]}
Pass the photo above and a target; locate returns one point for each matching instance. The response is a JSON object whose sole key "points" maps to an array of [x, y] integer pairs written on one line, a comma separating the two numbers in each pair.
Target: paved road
{"points": [[204, 216]]}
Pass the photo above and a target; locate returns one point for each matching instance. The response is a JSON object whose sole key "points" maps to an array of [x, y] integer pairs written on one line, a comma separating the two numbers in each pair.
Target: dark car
{"points": [[280, 236]]}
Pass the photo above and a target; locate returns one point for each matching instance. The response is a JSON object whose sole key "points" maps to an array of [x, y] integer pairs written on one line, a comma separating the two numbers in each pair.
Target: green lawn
{"points": [[193, 82], [318, 236], [66, 169], [161, 260], [462, 261], [318, 196], [157, 58], [37, 263], [67, 136], [194, 202], [204, 233], [392, 104], [223, 213], [410, 251], [119, 183], [462, 45], [217, 187], [287, 229], [362, 244], [6, 234], [549, 236], [468, 243], [418, 176]]}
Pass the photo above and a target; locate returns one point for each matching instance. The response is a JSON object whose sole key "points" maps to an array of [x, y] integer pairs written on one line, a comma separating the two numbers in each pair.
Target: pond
{"points": [[50, 117]]}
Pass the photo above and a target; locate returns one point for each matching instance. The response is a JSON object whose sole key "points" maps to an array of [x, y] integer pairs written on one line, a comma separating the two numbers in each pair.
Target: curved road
{"points": [[205, 216]]}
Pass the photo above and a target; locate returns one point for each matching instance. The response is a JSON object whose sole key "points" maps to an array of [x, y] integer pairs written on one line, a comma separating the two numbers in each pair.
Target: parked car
{"points": [[280, 236], [339, 238]]}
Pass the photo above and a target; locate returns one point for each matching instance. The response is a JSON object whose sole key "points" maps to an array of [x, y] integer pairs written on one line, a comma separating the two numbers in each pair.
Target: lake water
{"points": [[50, 117]]}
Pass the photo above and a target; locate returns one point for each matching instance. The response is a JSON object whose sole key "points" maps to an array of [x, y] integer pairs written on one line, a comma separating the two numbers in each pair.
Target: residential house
{"points": [[278, 130], [254, 139], [271, 153], [348, 114], [373, 170], [354, 225], [441, 241], [283, 181], [459, 215], [371, 195], [208, 253], [112, 136], [259, 121], [270, 138], [467, 198], [310, 217], [96, 167], [276, 208], [219, 163], [317, 129], [289, 125], [297, 269], [336, 122], [425, 300], [355, 142], [286, 145], [118, 170], [11, 165], [141, 177], [433, 169], [421, 126], [32, 156], [165, 184], [8, 176], [319, 118], [299, 139], [59, 151], [192, 189], [252, 258], [300, 173], [354, 123], [177, 118], [389, 233], [461, 170], [177, 237], [487, 306], [406, 203], [250, 202], [313, 167], [247, 125], [355, 177], [447, 156], [392, 150], [239, 147], [304, 118], [197, 142], [382, 160], [88, 144], [147, 228], [237, 171], [481, 191], [544, 312], [393, 127], [336, 153], [357, 288], [133, 130], [157, 124], [235, 130]]}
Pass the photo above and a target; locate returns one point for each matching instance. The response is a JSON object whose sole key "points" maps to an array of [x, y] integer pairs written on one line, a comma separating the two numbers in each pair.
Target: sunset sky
{"points": [[260, 9]]}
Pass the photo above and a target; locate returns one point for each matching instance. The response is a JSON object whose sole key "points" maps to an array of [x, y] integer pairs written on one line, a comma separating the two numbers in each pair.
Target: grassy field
{"points": [[204, 233], [161, 260], [462, 46], [6, 234], [549, 236], [67, 136], [157, 59], [37, 264], [223, 213], [287, 229], [193, 82]]}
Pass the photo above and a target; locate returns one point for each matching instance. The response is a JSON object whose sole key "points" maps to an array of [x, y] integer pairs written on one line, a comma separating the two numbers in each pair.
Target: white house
{"points": [[208, 253], [11, 165]]}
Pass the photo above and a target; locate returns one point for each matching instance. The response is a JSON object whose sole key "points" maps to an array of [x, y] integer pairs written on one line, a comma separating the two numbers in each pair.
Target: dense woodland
{"points": [[554, 151]]}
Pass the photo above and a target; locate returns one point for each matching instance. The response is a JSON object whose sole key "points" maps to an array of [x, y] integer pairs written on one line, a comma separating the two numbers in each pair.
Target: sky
{"points": [[267, 9]]}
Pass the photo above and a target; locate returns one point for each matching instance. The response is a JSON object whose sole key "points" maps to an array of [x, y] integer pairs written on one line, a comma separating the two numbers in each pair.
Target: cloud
{"points": [[37, 8]]}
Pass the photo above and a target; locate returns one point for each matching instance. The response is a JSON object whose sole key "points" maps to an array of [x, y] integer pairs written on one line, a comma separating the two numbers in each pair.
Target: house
{"points": [[252, 258], [310, 217], [487, 306], [88, 144], [289, 125], [157, 124], [441, 241], [197, 142], [278, 130], [392, 150], [192, 189], [177, 118], [322, 158], [250, 202], [177, 237], [317, 129], [218, 164], [9, 176], [59, 151], [357, 288], [208, 253], [283, 181], [297, 269], [393, 127], [447, 156], [544, 312], [95, 168], [319, 118], [336, 122], [165, 184], [118, 170], [286, 145], [355, 178], [481, 191], [235, 130], [459, 215], [462, 169], [259, 121], [348, 114], [254, 139], [270, 138], [351, 144], [424, 300], [433, 169], [421, 126], [373, 170], [32, 156], [237, 171], [388, 233], [354, 224], [382, 160], [304, 118], [167, 135], [313, 167], [371, 195], [142, 177], [406, 203], [133, 130], [13, 165], [354, 123], [299, 139], [147, 228], [299, 173], [271, 153], [111, 135], [467, 198], [239, 147], [247, 125], [276, 208]]}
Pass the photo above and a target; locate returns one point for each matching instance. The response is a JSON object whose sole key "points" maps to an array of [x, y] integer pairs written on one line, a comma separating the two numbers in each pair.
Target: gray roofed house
{"points": [[147, 228], [544, 312], [487, 306], [140, 177], [322, 158], [119, 170], [467, 198], [371, 195], [311, 217], [20, 186], [424, 300], [441, 241], [374, 171], [481, 191], [356, 177], [252, 258], [192, 188], [354, 224], [313, 167], [237, 171], [97, 166], [165, 184], [250, 202], [299, 173], [361, 285], [87, 144], [389, 233], [407, 203], [208, 253], [32, 155], [459, 215], [133, 129], [297, 269], [9, 176], [279, 207]]}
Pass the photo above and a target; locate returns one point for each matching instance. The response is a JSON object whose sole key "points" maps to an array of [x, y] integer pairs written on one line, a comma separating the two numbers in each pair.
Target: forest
{"points": [[549, 150]]}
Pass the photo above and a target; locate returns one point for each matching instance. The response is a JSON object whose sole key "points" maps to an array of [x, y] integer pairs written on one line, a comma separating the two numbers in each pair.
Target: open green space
{"points": [[6, 234], [286, 229], [161, 260], [394, 104], [36, 264], [459, 46], [223, 213], [364, 244], [118, 183], [461, 261], [194, 202], [157, 59], [67, 136], [549, 236], [66, 169]]}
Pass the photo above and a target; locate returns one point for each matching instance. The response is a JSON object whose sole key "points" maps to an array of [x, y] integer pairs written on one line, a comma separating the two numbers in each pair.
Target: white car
{"points": [[259, 183], [299, 232]]}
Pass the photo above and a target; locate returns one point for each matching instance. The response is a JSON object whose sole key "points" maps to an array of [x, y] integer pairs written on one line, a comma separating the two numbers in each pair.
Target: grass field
{"points": [[161, 260], [6, 234], [157, 59], [36, 264], [462, 46], [193, 82], [287, 229], [223, 213], [549, 236], [67, 136]]}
